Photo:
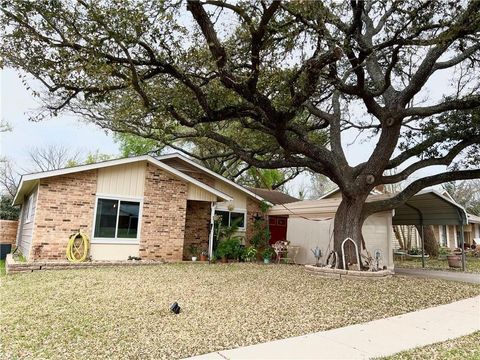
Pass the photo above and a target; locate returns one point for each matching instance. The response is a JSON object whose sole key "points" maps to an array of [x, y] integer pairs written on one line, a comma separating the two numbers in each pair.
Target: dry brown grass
{"points": [[463, 348], [123, 312]]}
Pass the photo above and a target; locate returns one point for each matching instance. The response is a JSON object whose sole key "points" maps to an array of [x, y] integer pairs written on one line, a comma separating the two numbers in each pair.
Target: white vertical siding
{"points": [[195, 192], [25, 236], [239, 198], [123, 180], [308, 234]]}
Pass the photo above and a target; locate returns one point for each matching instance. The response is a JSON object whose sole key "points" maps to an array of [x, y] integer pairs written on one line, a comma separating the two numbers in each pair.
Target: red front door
{"points": [[278, 228]]}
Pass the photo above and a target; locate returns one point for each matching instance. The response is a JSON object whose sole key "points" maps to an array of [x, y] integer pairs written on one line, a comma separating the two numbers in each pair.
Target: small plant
{"points": [[204, 255], [249, 254], [415, 251], [193, 249], [443, 251], [267, 255]]}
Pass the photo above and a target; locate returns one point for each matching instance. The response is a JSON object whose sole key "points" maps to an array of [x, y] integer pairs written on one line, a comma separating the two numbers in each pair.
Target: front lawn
{"points": [[463, 348], [472, 264], [124, 312]]}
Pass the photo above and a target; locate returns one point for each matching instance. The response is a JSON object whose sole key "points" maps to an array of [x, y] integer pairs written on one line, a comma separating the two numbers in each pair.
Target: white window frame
{"points": [[29, 208], [124, 241], [243, 211]]}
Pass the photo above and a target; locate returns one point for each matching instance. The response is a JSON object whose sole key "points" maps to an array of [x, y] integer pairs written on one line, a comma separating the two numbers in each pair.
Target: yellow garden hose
{"points": [[77, 247]]}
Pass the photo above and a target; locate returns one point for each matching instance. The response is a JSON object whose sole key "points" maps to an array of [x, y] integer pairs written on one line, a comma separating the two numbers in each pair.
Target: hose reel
{"points": [[77, 247]]}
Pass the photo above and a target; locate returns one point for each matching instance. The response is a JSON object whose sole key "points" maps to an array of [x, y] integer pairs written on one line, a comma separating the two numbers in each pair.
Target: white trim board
{"points": [[25, 179]]}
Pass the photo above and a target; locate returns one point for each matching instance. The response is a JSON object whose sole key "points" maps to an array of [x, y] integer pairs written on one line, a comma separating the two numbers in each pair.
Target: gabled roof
{"points": [[473, 219], [28, 181], [274, 196], [212, 173]]}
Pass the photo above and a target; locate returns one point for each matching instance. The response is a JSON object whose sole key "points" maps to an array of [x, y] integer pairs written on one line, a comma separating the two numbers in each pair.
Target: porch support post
{"points": [[212, 230], [423, 248]]}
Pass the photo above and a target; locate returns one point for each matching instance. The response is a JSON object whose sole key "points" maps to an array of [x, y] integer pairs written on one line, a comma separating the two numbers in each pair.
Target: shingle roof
{"points": [[274, 196]]}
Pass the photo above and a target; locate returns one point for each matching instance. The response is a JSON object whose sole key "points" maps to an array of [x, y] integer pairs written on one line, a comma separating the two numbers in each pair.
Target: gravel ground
{"points": [[472, 264], [463, 348], [123, 312]]}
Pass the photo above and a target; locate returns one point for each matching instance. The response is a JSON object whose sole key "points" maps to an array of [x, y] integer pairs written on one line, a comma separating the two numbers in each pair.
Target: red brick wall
{"points": [[65, 204], [8, 231], [197, 226], [163, 217]]}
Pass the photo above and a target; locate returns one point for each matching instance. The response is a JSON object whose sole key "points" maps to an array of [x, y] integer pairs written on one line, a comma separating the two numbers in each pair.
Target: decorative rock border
{"points": [[347, 274], [13, 267]]}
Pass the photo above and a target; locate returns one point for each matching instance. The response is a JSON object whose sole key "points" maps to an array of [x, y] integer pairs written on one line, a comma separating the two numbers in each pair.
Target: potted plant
{"points": [[249, 254], [455, 259], [193, 249], [204, 255], [222, 252], [267, 255]]}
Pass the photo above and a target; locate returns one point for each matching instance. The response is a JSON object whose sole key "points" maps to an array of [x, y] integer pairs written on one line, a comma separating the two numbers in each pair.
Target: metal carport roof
{"points": [[430, 207]]}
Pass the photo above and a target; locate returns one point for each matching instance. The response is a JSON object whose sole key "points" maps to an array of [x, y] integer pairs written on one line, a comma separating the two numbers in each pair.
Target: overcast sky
{"points": [[17, 103]]}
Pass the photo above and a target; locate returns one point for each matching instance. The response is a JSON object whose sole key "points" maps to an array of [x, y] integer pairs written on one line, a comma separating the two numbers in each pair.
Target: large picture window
{"points": [[229, 218], [116, 219]]}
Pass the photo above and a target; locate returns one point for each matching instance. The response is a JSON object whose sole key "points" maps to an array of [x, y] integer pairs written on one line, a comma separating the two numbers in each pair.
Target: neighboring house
{"points": [[140, 206], [450, 235]]}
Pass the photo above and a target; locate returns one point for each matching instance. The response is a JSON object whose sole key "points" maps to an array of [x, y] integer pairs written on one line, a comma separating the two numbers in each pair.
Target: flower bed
{"points": [[348, 274]]}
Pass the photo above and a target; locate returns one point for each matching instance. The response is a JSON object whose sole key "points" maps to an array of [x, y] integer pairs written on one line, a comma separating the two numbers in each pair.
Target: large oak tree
{"points": [[276, 84]]}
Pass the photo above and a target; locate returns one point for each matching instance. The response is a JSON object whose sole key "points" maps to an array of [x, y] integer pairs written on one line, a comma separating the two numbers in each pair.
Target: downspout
{"points": [[212, 230]]}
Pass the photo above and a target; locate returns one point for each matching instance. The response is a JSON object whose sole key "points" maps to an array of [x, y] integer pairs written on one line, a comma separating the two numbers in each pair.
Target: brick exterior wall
{"points": [[65, 204], [163, 216], [253, 207], [197, 226], [8, 231]]}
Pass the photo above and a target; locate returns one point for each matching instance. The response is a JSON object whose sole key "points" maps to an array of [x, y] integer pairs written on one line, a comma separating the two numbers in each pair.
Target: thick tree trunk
{"points": [[348, 223], [430, 241]]}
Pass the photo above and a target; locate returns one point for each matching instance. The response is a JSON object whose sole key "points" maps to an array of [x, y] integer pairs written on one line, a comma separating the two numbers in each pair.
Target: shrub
{"points": [[230, 248], [443, 251]]}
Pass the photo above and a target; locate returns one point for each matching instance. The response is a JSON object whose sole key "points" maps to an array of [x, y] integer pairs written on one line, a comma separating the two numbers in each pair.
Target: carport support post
{"points": [[462, 244]]}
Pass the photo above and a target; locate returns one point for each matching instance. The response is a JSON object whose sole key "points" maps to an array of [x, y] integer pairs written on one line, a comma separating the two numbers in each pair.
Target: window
{"points": [[116, 219], [228, 218]]}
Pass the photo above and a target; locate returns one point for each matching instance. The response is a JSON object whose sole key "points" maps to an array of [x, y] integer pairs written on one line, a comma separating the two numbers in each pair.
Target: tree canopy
{"points": [[275, 84]]}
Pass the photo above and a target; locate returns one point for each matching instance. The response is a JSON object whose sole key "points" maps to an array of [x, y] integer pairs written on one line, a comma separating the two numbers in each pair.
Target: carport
{"points": [[430, 207]]}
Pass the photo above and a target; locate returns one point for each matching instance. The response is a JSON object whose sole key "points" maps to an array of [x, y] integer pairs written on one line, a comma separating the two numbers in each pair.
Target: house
{"points": [[142, 206], [450, 235]]}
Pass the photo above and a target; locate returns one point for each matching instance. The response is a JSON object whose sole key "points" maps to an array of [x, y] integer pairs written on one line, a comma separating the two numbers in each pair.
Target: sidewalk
{"points": [[439, 274], [373, 339]]}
